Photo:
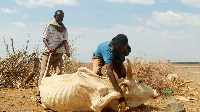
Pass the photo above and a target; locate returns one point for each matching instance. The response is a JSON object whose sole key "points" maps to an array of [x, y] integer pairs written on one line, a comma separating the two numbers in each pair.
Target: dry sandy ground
{"points": [[23, 100]]}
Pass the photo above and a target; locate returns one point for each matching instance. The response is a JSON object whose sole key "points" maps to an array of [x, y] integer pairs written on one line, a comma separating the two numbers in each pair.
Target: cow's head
{"points": [[135, 91]]}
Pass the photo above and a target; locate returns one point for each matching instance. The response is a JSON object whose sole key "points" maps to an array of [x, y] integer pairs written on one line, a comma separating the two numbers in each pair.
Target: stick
{"points": [[186, 82], [45, 73]]}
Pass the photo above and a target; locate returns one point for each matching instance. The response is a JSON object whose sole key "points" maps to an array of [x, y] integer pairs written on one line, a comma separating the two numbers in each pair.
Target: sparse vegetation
{"points": [[17, 65], [155, 74], [20, 67]]}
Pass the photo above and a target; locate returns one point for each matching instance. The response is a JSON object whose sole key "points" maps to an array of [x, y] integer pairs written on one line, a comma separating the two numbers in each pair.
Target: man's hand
{"points": [[51, 50], [122, 99], [122, 104]]}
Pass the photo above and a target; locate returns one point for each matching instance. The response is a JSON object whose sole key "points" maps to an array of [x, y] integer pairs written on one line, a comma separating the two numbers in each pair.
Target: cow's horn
{"points": [[129, 70]]}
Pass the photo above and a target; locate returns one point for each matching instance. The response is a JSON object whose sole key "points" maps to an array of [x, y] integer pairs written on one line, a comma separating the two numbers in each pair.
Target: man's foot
{"points": [[38, 100]]}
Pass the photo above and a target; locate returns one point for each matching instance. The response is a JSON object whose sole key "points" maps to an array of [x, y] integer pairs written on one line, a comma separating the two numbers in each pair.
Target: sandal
{"points": [[38, 100]]}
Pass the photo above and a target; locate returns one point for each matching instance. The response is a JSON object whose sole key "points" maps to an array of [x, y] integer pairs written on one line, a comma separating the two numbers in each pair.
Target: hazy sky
{"points": [[158, 29]]}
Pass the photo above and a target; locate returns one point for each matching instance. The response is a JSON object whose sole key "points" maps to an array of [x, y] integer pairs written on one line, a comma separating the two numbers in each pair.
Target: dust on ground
{"points": [[23, 100]]}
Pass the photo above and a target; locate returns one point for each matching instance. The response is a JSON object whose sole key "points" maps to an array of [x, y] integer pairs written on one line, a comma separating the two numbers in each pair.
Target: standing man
{"points": [[112, 54], [55, 38]]}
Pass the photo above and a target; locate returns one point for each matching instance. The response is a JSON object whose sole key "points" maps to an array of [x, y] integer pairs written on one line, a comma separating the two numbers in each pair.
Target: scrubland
{"points": [[19, 73]]}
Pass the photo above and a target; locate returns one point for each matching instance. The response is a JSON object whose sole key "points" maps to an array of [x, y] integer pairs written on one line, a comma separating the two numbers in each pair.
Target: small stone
{"points": [[174, 106]]}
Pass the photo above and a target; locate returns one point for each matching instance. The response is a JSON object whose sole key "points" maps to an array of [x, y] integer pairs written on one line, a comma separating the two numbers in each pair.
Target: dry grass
{"points": [[19, 67], [155, 74]]}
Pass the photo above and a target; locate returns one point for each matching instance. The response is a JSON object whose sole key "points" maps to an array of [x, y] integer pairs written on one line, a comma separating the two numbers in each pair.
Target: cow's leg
{"points": [[98, 106]]}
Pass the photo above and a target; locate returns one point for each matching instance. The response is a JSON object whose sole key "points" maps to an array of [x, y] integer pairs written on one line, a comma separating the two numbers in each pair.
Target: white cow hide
{"points": [[82, 90], [86, 91]]}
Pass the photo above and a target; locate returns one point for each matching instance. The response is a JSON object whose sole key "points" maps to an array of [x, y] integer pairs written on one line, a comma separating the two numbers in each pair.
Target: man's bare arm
{"points": [[114, 82], [46, 43], [112, 78]]}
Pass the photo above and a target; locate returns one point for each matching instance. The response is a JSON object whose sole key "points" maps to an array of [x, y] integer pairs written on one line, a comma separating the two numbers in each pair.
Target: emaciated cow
{"points": [[86, 91]]}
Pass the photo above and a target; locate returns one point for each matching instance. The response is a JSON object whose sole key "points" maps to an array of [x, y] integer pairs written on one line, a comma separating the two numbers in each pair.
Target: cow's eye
{"points": [[140, 81], [125, 85]]}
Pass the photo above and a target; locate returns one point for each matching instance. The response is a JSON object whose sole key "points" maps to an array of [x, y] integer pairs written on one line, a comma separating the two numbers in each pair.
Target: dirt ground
{"points": [[23, 100]]}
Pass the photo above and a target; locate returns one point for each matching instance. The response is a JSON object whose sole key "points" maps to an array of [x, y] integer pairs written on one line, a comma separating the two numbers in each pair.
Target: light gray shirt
{"points": [[54, 38]]}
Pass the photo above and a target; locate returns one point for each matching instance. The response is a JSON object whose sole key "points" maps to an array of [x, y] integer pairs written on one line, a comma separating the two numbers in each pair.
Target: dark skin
{"points": [[58, 18], [109, 67]]}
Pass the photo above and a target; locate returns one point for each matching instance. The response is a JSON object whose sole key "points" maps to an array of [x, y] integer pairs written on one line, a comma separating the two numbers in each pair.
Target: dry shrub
{"points": [[17, 65], [155, 75], [71, 64], [21, 67]]}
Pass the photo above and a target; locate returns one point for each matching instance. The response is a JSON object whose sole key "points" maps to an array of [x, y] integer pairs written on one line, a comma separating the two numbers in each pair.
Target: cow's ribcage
{"points": [[79, 91], [63, 93]]}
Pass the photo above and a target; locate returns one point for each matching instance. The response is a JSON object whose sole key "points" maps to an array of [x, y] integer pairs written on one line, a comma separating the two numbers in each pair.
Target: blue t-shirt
{"points": [[103, 51]]}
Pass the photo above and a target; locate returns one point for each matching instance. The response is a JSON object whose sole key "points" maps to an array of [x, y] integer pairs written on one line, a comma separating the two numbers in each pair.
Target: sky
{"points": [[156, 29]]}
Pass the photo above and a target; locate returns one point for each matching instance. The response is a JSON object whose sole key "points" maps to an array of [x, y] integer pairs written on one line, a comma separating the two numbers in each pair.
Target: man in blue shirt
{"points": [[112, 54]]}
